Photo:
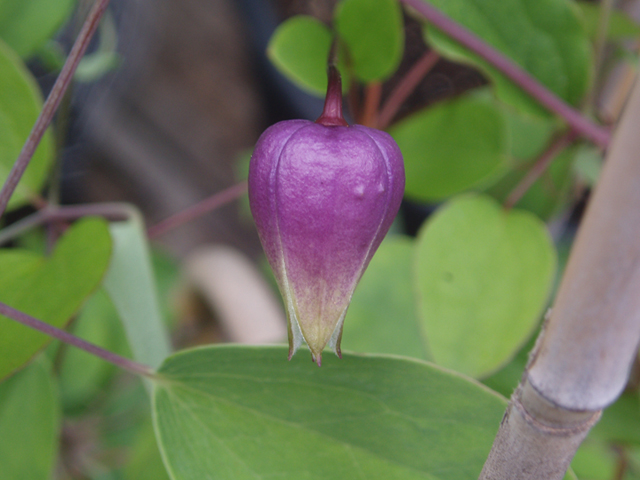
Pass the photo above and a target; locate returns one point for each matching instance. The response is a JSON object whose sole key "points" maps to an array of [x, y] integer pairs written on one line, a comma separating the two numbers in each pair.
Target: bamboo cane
{"points": [[583, 356]]}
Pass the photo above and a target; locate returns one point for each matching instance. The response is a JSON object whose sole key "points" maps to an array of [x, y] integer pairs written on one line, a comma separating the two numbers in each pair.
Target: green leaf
{"points": [[20, 105], [131, 285], [620, 422], [299, 49], [546, 38], [382, 317], [50, 289], [529, 135], [82, 375], [452, 147], [145, 461], [621, 25], [238, 413], [483, 278], [588, 164], [374, 35], [30, 423], [595, 461], [26, 25]]}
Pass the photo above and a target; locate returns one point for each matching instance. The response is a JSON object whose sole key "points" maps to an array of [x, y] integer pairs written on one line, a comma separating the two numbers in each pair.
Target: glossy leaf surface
{"points": [[233, 412]]}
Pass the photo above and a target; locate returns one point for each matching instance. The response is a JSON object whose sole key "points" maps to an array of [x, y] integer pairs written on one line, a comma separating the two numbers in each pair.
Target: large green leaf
{"points": [[374, 35], [29, 423], [382, 317], [25, 25], [131, 285], [453, 146], [299, 48], [50, 289], [483, 278], [545, 37], [236, 413], [20, 104]]}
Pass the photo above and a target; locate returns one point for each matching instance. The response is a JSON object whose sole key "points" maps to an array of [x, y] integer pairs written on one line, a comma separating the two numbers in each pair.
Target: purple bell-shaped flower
{"points": [[323, 196]]}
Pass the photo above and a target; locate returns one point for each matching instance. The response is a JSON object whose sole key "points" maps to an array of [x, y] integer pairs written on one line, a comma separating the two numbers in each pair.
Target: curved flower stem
{"points": [[197, 210], [52, 102], [66, 337], [110, 211], [406, 86], [539, 167], [597, 134]]}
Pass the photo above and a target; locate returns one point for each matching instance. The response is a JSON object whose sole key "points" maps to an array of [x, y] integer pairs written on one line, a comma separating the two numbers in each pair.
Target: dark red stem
{"points": [[332, 112]]}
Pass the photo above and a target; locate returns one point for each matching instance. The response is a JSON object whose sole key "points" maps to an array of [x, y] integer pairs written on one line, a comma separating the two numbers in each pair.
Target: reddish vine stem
{"points": [[53, 101], [406, 86], [597, 134], [197, 210], [538, 168], [66, 337], [372, 95]]}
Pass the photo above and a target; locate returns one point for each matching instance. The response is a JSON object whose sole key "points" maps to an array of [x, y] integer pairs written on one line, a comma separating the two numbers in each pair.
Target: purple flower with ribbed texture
{"points": [[323, 196]]}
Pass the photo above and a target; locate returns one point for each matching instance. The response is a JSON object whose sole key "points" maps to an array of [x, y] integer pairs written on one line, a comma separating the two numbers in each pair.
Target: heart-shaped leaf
{"points": [[30, 423], [452, 147], [20, 104], [50, 289], [374, 35], [483, 279], [545, 37], [231, 412], [299, 48], [382, 316]]}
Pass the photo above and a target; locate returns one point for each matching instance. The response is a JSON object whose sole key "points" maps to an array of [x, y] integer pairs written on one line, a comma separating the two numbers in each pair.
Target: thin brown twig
{"points": [[66, 337], [51, 104], [539, 167], [197, 210], [406, 86], [578, 122]]}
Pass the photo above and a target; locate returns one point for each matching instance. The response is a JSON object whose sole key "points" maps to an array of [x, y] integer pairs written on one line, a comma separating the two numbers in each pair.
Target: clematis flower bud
{"points": [[323, 195]]}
